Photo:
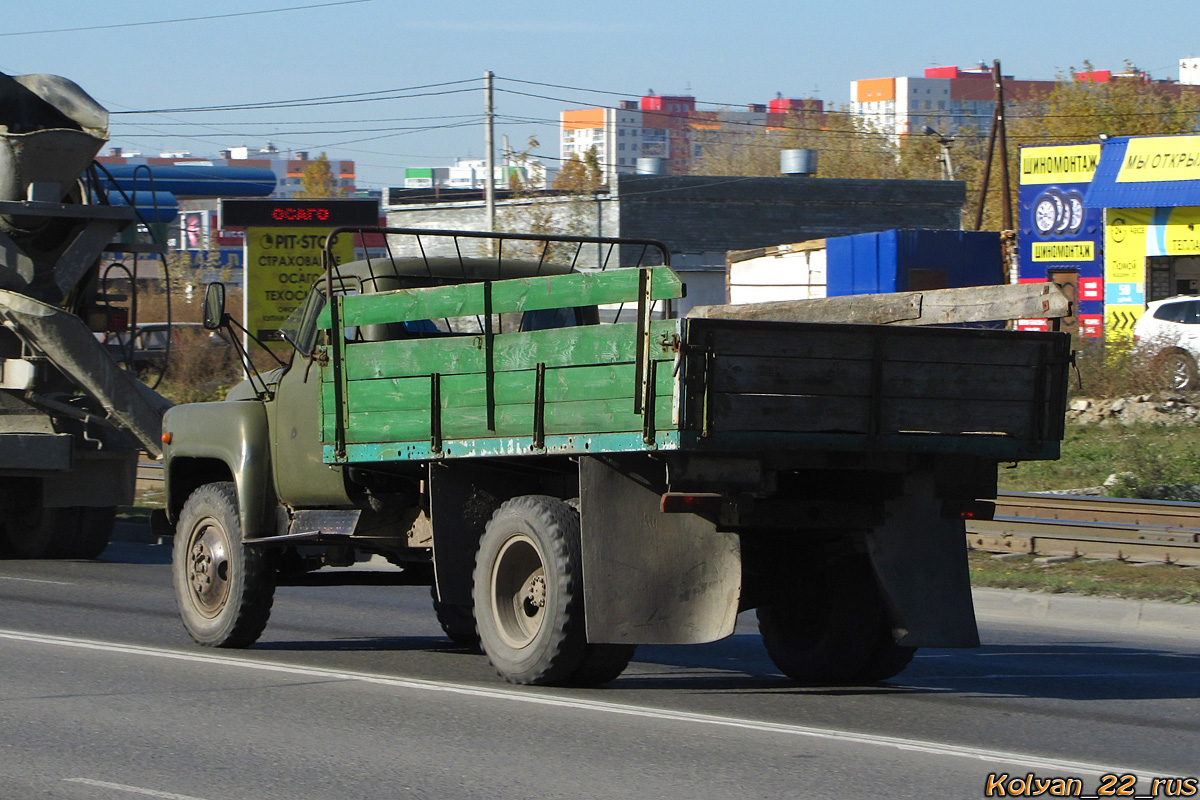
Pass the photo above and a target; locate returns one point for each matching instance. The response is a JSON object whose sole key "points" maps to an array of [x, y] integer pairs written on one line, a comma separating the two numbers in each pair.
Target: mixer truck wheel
{"points": [[93, 531], [35, 532], [826, 629], [528, 593], [224, 589], [28, 530]]}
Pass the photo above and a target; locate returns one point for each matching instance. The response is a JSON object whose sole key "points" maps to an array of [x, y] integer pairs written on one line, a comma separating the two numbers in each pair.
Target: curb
{"points": [[990, 604], [136, 532], [1088, 612]]}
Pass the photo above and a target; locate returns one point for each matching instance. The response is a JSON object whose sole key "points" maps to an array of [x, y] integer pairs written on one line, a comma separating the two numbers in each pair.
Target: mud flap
{"points": [[463, 495], [920, 561], [650, 577]]}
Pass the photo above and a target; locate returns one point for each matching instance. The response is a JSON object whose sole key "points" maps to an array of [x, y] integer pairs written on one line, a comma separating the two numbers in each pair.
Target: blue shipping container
{"points": [[912, 260]]}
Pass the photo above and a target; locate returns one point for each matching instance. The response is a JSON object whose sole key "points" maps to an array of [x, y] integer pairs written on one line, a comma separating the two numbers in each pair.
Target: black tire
{"points": [[457, 621], [223, 589], [94, 531], [528, 593], [888, 658], [1178, 370], [825, 631], [34, 532], [602, 663]]}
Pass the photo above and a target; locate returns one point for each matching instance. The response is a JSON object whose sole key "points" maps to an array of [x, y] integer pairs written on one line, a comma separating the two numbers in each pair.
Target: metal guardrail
{"points": [[1093, 527], [150, 472]]}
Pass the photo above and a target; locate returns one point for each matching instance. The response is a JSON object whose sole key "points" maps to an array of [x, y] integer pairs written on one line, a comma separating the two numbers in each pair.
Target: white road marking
{"points": [[36, 580], [532, 697], [1004, 676], [120, 787]]}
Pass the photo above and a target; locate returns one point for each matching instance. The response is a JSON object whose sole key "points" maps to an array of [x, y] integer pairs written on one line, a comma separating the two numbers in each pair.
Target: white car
{"points": [[1169, 333]]}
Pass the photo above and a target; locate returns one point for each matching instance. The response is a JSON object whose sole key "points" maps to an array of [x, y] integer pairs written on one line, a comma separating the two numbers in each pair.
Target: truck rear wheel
{"points": [[457, 621], [888, 659], [224, 589], [826, 631], [528, 593]]}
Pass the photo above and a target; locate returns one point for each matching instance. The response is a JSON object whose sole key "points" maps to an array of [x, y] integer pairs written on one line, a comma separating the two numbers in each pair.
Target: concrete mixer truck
{"points": [[72, 421]]}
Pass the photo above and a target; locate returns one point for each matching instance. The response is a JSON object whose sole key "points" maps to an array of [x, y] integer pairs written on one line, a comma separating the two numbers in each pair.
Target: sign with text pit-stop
{"points": [[282, 264]]}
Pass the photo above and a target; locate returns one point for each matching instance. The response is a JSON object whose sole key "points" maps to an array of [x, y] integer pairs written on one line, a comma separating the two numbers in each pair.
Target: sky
{"points": [[394, 84]]}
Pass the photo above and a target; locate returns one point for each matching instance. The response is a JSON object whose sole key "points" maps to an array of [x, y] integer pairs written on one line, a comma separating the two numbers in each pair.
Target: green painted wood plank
{"points": [[559, 347], [605, 382], [513, 295], [512, 446], [576, 417]]}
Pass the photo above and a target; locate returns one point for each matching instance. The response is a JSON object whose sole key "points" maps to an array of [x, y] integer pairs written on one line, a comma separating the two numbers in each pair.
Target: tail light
{"points": [[968, 509], [694, 503]]}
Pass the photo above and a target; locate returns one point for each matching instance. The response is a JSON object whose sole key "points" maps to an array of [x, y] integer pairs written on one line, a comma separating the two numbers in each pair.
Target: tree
{"points": [[846, 147], [1077, 109], [581, 176], [568, 211], [318, 179]]}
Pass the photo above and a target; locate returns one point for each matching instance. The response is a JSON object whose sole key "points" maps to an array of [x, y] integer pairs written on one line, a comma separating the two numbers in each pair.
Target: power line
{"points": [[471, 121], [333, 99], [312, 122], [183, 19]]}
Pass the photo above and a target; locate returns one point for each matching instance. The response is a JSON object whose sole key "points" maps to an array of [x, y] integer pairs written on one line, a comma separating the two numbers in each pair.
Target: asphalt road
{"points": [[353, 693]]}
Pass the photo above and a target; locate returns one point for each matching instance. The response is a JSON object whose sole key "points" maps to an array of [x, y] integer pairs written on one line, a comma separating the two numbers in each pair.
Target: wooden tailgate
{"points": [[874, 380]]}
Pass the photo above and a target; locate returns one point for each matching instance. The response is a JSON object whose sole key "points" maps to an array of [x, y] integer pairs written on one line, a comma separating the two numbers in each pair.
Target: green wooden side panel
{"points": [[572, 417], [513, 295], [604, 382], [456, 355], [591, 379], [504, 446]]}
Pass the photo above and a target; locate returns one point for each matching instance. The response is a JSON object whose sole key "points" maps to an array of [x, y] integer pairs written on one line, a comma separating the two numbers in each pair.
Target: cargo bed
{"points": [[695, 384]]}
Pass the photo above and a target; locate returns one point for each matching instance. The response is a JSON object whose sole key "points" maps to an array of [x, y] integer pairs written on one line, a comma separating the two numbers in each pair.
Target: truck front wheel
{"points": [[224, 589], [528, 595], [826, 630]]}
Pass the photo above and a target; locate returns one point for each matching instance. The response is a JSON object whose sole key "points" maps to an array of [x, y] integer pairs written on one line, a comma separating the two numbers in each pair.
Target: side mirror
{"points": [[214, 306]]}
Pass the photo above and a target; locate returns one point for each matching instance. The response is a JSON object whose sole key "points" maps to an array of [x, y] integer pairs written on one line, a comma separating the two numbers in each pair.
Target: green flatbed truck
{"points": [[575, 472]]}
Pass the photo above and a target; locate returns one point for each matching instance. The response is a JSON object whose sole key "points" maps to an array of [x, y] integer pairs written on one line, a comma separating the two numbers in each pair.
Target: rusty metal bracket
{"points": [[539, 407], [435, 412]]}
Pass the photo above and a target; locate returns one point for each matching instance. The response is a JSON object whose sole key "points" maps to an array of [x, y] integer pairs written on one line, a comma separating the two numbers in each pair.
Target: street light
{"points": [[944, 160]]}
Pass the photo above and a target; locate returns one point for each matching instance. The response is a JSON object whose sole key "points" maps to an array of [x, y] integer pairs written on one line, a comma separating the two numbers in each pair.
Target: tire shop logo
{"points": [[1058, 214], [1116, 229]]}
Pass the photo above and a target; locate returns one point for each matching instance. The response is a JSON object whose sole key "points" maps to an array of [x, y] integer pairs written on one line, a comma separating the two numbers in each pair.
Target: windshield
{"points": [[300, 329]]}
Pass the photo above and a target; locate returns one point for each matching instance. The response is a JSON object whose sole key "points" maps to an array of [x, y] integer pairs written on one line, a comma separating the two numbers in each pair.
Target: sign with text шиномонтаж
{"points": [[1069, 163]]}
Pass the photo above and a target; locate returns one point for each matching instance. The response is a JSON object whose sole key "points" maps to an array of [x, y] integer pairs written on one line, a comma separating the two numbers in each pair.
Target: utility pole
{"points": [[489, 186], [947, 167], [1002, 125], [998, 129]]}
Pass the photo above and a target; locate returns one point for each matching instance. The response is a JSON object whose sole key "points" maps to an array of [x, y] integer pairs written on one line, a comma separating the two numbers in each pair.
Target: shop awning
{"points": [[1147, 172]]}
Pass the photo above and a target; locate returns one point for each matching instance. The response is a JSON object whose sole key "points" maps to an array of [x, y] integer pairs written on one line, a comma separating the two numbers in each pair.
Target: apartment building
{"points": [[667, 128], [949, 98]]}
